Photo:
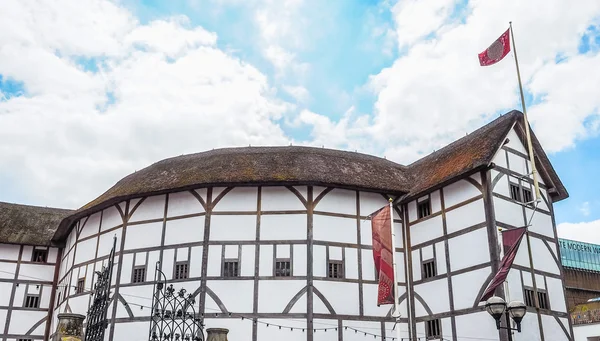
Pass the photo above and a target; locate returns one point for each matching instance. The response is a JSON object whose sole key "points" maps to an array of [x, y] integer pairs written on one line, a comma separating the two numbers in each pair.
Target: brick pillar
{"points": [[70, 327], [216, 334]]}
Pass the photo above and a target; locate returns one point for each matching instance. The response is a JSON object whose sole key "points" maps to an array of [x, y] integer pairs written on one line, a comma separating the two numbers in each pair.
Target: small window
{"points": [[231, 268], [25, 339], [40, 256], [80, 286], [424, 208], [335, 269], [181, 270], [542, 299], [139, 274], [433, 329], [32, 301], [515, 194], [283, 268], [527, 196], [429, 269]]}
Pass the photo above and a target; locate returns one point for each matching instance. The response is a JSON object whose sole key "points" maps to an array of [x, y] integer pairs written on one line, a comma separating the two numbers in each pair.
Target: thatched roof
{"points": [[31, 225], [319, 166]]}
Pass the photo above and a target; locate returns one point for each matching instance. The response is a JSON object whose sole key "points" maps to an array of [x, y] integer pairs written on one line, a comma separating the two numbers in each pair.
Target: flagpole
{"points": [[527, 132], [396, 296]]}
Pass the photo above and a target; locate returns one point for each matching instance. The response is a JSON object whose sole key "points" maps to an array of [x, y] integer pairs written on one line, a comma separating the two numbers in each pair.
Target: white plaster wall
{"points": [[585, 332], [469, 249], [436, 202], [477, 325], [371, 202], [276, 294], [280, 199], [466, 287], [151, 208], [5, 289], [130, 331], [233, 227], [272, 332], [181, 231], [465, 216], [91, 227], [440, 258], [105, 243], [530, 329], [266, 261], [542, 257], [7, 270], [86, 250], [500, 159], [508, 212], [111, 218], [183, 203], [22, 320], [238, 199], [435, 294], [351, 263], [283, 227], [337, 201], [247, 265], [556, 294], [319, 261], [540, 223], [343, 297], [416, 265], [334, 229], [426, 230], [458, 192], [36, 272], [299, 266], [502, 186], [370, 301], [9, 252], [141, 236], [241, 301]]}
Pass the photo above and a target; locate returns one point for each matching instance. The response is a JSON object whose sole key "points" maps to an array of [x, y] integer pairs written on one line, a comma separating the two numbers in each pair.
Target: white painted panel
{"points": [[502, 186], [508, 212], [168, 263], [343, 297], [27, 253], [276, 295], [180, 231], [129, 330], [79, 304], [440, 256], [42, 272], [138, 295], [517, 164], [476, 326], [338, 201], [400, 264], [426, 230], [214, 260], [7, 270], [3, 314], [279, 199], [9, 251], [529, 329], [233, 227], [271, 332], [19, 296], [140, 258], [465, 216], [541, 223], [5, 288], [427, 252], [435, 294], [144, 235], [86, 250], [542, 258], [475, 242], [500, 159], [231, 251], [334, 229], [53, 254], [368, 266], [183, 203], [553, 330], [91, 227], [458, 192], [351, 263], [335, 253], [319, 261], [153, 257], [110, 218], [105, 244], [196, 261], [266, 260], [152, 208], [283, 251], [238, 199], [299, 266], [436, 203], [247, 260], [416, 265], [556, 294], [236, 295], [283, 227], [127, 268], [21, 320], [515, 142], [466, 287], [371, 202], [412, 211]]}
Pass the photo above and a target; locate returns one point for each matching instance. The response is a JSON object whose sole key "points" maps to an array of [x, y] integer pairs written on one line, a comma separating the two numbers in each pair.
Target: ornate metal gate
{"points": [[96, 316], [173, 317]]}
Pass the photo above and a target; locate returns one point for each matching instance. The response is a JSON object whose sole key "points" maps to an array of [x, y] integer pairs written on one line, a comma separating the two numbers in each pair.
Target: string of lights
{"points": [[269, 324]]}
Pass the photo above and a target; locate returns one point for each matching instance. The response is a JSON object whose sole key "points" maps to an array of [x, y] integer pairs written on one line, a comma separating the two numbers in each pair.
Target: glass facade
{"points": [[579, 255]]}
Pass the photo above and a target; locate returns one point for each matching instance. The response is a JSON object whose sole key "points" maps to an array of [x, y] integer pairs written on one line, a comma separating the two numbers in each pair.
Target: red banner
{"points": [[382, 254], [498, 50], [511, 239]]}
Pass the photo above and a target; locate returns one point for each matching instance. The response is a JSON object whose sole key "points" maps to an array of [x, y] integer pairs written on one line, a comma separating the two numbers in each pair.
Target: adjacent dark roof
{"points": [[31, 225], [320, 166]]}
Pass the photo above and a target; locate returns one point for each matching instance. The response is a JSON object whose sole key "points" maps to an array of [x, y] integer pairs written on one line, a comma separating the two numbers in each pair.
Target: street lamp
{"points": [[496, 307]]}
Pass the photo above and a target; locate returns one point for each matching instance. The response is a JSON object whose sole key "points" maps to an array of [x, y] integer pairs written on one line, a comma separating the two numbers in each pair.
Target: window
{"points": [[424, 208], [39, 256], [181, 270], [335, 269], [515, 194], [231, 268], [25, 339], [433, 329], [80, 286], [139, 274], [527, 196], [283, 268], [32, 301], [429, 269], [542, 299]]}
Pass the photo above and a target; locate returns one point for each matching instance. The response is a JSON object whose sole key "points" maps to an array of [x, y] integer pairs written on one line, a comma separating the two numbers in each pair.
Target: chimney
{"points": [[216, 334]]}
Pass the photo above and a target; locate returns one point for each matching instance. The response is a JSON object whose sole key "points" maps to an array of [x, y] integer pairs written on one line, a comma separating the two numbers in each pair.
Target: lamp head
{"points": [[495, 306], [517, 310]]}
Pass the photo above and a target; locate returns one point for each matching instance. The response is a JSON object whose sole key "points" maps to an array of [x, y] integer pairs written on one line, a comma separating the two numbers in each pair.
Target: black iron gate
{"points": [[96, 316], [173, 317]]}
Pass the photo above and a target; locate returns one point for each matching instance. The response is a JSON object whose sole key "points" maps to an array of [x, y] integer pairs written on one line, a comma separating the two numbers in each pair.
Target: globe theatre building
{"points": [[275, 243]]}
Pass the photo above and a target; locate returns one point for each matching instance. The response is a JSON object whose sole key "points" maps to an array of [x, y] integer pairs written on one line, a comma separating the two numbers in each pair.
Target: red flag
{"points": [[383, 256], [511, 240], [498, 50]]}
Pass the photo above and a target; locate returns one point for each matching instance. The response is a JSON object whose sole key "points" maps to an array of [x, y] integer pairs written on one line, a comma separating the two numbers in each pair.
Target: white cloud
{"points": [[585, 208], [299, 93], [172, 91], [588, 232], [416, 19]]}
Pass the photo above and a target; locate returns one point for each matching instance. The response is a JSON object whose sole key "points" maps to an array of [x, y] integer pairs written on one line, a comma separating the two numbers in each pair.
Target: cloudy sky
{"points": [[92, 90]]}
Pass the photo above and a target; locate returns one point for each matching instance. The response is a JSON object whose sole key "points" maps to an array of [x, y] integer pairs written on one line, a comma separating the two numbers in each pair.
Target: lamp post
{"points": [[496, 307]]}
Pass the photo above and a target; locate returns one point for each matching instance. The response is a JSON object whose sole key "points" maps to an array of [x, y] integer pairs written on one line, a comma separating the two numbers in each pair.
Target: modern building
{"points": [[275, 243]]}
